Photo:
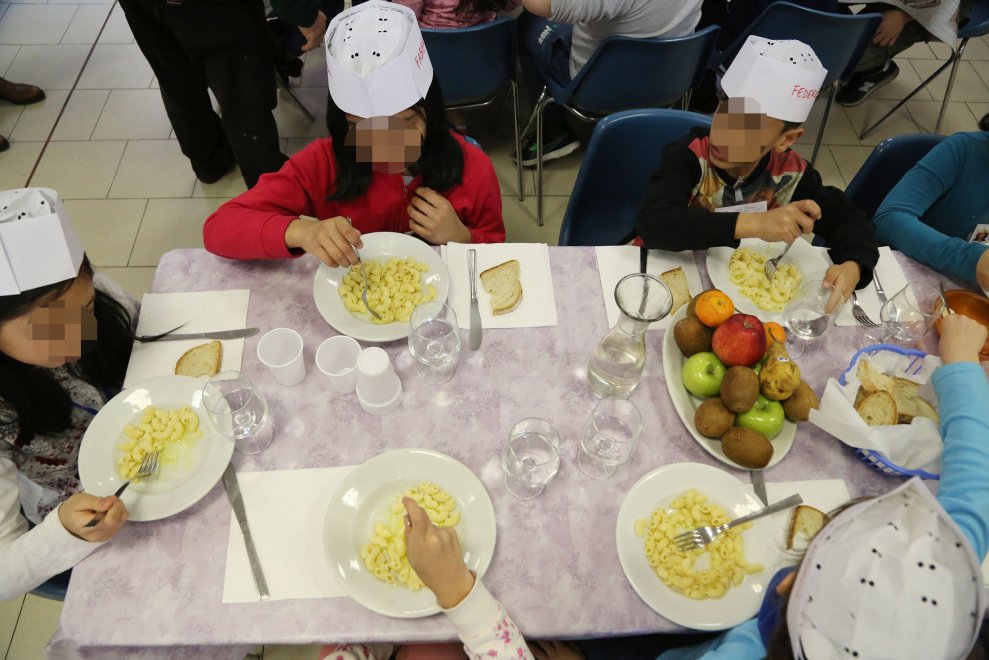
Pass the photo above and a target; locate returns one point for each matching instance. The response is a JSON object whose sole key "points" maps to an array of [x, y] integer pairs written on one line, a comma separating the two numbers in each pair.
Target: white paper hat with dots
{"points": [[893, 577], [376, 60], [38, 245], [783, 76]]}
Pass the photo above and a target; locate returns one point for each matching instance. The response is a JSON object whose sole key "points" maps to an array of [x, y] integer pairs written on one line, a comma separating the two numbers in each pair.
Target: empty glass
{"points": [[909, 315], [811, 315], [531, 457], [608, 437], [237, 410], [434, 341]]}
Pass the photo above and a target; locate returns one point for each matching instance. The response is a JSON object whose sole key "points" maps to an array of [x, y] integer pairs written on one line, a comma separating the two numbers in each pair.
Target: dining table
{"points": [[155, 590]]}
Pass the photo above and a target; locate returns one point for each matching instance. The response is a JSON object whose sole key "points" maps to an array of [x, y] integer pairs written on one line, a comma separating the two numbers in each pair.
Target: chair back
{"points": [[472, 64], [977, 23], [885, 166], [626, 73], [625, 150]]}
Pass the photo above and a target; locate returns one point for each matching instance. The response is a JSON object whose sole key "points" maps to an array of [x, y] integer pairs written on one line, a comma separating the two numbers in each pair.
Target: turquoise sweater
{"points": [[963, 402], [931, 212]]}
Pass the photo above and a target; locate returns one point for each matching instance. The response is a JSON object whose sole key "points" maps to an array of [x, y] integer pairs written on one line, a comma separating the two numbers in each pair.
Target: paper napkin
{"points": [[893, 280], [822, 494]]}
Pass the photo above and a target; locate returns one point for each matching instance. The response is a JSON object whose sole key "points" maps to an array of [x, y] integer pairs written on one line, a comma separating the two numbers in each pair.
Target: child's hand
{"points": [[891, 26], [961, 339], [331, 241], [432, 217], [845, 277], [76, 512], [784, 223], [435, 555]]}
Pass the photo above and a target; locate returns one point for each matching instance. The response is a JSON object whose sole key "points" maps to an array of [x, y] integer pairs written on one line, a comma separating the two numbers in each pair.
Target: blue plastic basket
{"points": [[874, 459]]}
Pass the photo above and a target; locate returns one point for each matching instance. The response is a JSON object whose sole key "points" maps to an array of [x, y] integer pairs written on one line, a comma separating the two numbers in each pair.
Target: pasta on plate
{"points": [[161, 430], [394, 289], [747, 271]]}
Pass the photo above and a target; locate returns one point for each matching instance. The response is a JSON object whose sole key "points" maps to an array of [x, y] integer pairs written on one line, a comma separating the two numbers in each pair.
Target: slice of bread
{"points": [[676, 279], [908, 401], [202, 360], [804, 526], [872, 379], [503, 284], [878, 409]]}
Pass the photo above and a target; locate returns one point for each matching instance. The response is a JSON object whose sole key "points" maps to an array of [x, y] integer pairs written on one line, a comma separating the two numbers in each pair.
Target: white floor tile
{"points": [[978, 109], [957, 117], [560, 175], [117, 31], [9, 114], [86, 24], [136, 281], [153, 168], [838, 131], [849, 160], [520, 219], [108, 227], [48, 67], [976, 50], [863, 115], [903, 84], [295, 145], [74, 2], [10, 611], [38, 119], [231, 185], [3, 8], [116, 67], [314, 70], [81, 114], [292, 123], [170, 224], [16, 163], [825, 164], [500, 153], [35, 24], [37, 624], [7, 54], [289, 652], [919, 51], [80, 170], [133, 114], [968, 85]]}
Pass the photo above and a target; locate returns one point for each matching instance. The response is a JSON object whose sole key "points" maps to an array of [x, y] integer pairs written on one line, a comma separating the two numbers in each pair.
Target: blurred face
{"points": [[740, 135], [52, 332], [390, 144]]}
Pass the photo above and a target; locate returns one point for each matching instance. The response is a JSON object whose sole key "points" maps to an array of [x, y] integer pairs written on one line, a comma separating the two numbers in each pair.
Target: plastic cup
{"points": [[379, 390], [281, 351], [336, 358]]}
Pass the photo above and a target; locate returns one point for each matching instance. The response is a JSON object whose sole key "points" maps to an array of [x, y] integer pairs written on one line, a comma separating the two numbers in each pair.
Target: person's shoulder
{"points": [[474, 156]]}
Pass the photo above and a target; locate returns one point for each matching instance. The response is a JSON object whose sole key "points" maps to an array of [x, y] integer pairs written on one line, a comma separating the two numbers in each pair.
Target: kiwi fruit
{"points": [[800, 403], [746, 447], [740, 389], [712, 419], [692, 336]]}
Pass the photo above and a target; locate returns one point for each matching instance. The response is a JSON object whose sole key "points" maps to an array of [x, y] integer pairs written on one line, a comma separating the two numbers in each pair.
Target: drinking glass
{"points": [[608, 437], [531, 457], [907, 316], [434, 341], [811, 315], [237, 410]]}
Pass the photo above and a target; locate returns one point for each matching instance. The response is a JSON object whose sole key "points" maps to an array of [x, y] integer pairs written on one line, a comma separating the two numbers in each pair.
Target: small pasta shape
{"points": [[164, 431], [395, 287], [747, 271]]}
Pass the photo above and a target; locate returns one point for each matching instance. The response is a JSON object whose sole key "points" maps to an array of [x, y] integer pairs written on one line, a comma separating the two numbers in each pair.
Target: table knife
{"points": [[232, 487], [759, 486], [222, 334], [475, 312], [880, 292]]}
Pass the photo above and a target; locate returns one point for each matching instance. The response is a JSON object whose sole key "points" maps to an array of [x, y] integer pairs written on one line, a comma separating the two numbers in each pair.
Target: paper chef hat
{"points": [[376, 60], [38, 245], [783, 76], [892, 577]]}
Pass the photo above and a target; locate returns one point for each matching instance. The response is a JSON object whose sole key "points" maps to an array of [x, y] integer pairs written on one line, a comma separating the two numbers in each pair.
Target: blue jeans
{"points": [[544, 54]]}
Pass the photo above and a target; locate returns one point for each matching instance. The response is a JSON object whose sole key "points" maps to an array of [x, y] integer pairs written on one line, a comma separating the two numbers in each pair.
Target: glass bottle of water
{"points": [[617, 362]]}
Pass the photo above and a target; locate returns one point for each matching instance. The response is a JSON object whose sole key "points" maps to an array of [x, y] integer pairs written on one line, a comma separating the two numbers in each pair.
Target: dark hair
{"points": [[41, 405], [790, 125], [441, 163], [478, 6]]}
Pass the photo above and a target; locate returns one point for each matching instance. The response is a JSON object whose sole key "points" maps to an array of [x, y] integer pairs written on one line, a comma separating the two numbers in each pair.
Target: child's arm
{"points": [[484, 219], [740, 643]]}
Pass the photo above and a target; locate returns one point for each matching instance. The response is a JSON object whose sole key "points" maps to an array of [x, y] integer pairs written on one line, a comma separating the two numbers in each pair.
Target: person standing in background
{"points": [[18, 94]]}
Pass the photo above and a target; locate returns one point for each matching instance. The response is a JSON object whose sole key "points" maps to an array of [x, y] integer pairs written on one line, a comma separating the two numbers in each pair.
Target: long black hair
{"points": [[441, 163], [41, 405]]}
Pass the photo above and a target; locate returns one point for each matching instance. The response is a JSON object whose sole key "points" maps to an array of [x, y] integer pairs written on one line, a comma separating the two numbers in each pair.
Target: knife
{"points": [[759, 486], [222, 334], [880, 292], [232, 487], [475, 313]]}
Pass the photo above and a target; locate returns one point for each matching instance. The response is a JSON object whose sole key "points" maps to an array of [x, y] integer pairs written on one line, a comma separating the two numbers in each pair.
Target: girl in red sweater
{"points": [[380, 170]]}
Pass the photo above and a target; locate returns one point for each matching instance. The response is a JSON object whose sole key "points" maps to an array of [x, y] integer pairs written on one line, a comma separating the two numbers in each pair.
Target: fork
{"points": [[860, 314], [149, 466], [360, 262], [700, 537], [773, 264], [147, 338]]}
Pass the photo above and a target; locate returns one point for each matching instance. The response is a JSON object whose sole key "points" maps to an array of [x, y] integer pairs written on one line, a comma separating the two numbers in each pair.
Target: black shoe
{"points": [[4, 145], [216, 172], [984, 122], [864, 83], [554, 146]]}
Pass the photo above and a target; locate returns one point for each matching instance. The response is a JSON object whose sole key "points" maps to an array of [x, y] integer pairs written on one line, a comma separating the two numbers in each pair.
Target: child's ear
{"points": [[787, 139]]}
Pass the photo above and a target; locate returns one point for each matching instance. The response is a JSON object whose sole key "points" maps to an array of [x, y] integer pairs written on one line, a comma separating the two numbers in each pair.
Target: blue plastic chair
{"points": [[624, 151], [886, 165], [838, 40], [977, 25], [472, 65], [54, 588], [624, 74]]}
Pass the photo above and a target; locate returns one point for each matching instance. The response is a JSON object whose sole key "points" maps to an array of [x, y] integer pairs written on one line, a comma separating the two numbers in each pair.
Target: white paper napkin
{"points": [[285, 511], [205, 311], [822, 494], [893, 279], [617, 261], [538, 306]]}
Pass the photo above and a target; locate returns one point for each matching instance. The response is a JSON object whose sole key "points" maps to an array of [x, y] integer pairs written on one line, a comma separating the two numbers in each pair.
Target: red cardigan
{"points": [[252, 225]]}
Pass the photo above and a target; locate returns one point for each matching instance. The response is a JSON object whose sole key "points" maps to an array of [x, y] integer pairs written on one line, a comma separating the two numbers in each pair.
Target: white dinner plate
{"points": [[378, 246], [177, 486], [686, 404], [659, 488], [810, 261], [366, 496]]}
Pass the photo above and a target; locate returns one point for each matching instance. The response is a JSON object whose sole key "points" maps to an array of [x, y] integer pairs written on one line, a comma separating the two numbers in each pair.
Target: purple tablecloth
{"points": [[556, 567]]}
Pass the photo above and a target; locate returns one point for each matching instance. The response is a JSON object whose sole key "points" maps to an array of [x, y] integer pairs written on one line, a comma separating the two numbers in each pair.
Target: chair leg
{"points": [[685, 102], [285, 88], [514, 91], [951, 84], [824, 122], [539, 160], [532, 118]]}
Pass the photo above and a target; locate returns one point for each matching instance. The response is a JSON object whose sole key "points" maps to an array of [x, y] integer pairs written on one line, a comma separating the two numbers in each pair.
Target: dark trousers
{"points": [[224, 47], [544, 53]]}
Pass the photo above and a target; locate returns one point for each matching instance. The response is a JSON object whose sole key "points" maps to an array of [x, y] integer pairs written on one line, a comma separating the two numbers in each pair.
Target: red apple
{"points": [[739, 340]]}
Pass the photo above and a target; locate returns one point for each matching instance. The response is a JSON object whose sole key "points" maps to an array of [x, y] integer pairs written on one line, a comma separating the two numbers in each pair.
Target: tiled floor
{"points": [[130, 191]]}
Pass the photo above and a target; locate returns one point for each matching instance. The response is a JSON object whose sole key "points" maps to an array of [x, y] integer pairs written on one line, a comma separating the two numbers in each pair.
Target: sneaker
{"points": [[864, 83], [553, 147], [984, 122]]}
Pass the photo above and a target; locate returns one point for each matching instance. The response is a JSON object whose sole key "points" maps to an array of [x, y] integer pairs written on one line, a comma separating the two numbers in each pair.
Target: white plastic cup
{"points": [[336, 358], [281, 351], [379, 389]]}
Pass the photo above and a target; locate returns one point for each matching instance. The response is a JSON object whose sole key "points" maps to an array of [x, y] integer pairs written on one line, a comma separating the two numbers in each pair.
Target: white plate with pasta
{"points": [[756, 561], [686, 405], [739, 273], [402, 270], [193, 455], [366, 502]]}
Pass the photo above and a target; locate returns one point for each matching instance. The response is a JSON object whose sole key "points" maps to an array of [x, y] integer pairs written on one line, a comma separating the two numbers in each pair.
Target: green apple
{"points": [[765, 417], [702, 374]]}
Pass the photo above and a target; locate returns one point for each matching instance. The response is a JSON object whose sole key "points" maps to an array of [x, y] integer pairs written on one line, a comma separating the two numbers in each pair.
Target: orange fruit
{"points": [[713, 308], [774, 332]]}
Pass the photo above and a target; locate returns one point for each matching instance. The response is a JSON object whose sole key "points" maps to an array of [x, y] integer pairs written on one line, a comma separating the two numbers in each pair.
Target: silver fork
{"points": [[360, 262], [860, 314], [150, 338], [698, 538], [149, 466], [773, 264]]}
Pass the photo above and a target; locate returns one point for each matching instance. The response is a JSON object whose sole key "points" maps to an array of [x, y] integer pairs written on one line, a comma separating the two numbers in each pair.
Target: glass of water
{"points": [[907, 316], [608, 437], [531, 457], [811, 315], [434, 341], [237, 410]]}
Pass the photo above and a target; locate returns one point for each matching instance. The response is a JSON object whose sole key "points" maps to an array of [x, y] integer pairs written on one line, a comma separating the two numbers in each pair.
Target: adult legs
{"points": [[18, 94]]}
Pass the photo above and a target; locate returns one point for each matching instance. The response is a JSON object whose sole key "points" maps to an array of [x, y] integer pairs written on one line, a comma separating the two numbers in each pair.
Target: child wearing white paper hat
{"points": [[391, 162], [741, 179], [64, 346]]}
